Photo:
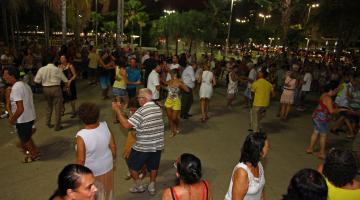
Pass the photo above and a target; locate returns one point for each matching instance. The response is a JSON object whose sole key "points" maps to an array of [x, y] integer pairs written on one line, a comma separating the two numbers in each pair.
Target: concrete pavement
{"points": [[217, 143]]}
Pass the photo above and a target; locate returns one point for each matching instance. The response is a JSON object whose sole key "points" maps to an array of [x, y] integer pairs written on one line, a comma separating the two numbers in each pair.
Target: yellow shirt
{"points": [[335, 193], [119, 81], [93, 60], [262, 89]]}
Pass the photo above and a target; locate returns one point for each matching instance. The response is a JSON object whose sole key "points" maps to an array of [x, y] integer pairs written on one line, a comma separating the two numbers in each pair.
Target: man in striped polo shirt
{"points": [[149, 128]]}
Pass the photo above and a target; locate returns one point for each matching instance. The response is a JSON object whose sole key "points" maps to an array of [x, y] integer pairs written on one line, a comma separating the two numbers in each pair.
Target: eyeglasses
{"points": [[140, 97]]}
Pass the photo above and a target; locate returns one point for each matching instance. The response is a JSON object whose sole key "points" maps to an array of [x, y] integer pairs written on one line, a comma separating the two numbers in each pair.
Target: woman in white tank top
{"points": [[248, 180]]}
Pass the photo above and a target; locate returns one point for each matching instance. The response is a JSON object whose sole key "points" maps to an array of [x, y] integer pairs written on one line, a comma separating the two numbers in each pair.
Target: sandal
{"points": [[173, 134], [29, 159], [321, 156], [350, 136], [335, 132], [308, 151]]}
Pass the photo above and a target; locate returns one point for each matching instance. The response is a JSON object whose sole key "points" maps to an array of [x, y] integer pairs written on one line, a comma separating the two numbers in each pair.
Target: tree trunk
{"points": [[5, 28], [140, 38], [285, 19], [78, 25], [190, 45], [46, 23], [167, 45], [176, 46], [12, 32], [119, 22], [17, 28], [63, 21]]}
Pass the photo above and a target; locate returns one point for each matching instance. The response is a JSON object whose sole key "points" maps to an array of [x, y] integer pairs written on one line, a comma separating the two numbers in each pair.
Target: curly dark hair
{"points": [[189, 168], [89, 113], [307, 184], [252, 148], [340, 167]]}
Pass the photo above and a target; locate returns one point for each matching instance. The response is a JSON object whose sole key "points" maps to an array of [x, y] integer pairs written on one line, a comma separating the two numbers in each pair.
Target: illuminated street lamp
{"points": [[271, 40], [243, 21], [311, 6], [307, 43], [264, 17], [169, 12]]}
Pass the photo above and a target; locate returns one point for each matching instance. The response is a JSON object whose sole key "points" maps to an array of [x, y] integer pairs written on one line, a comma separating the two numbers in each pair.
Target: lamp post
{"points": [[307, 43], [264, 17], [229, 28], [271, 40], [314, 5]]}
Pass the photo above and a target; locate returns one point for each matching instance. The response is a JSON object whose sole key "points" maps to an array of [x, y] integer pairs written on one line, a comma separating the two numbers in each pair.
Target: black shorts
{"points": [[92, 72], [24, 131], [138, 159], [131, 92]]}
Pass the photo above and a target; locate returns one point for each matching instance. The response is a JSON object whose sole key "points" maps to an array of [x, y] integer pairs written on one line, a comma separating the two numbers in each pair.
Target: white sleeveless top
{"points": [[256, 185], [98, 156], [233, 85]]}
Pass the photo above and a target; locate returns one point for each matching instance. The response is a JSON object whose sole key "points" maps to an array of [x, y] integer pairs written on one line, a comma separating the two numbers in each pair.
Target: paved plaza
{"points": [[217, 143]]}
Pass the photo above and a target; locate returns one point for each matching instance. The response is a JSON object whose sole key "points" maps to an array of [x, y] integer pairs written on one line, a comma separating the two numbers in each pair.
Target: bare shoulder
{"points": [[166, 195], [240, 173]]}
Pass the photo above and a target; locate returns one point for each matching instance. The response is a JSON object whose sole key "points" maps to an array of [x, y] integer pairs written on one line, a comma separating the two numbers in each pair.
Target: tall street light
{"points": [[229, 28], [242, 21], [311, 6], [169, 12], [264, 17], [307, 43]]}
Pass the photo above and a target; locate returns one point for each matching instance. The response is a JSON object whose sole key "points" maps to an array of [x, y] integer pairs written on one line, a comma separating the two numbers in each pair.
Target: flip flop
{"points": [[308, 152], [322, 157]]}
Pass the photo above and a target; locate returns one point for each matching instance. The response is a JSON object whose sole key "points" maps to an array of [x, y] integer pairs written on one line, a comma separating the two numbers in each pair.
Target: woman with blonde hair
{"points": [[173, 102], [208, 81]]}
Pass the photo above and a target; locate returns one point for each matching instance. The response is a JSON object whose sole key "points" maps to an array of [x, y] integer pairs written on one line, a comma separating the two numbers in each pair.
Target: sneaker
{"points": [[151, 188], [137, 189]]}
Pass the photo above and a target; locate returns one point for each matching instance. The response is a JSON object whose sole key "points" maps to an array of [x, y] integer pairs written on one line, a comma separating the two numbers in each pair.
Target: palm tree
{"points": [[78, 15], [63, 21], [119, 21], [134, 14], [12, 7]]}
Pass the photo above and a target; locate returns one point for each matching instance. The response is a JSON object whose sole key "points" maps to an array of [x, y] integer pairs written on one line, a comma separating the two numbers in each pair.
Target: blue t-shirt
{"points": [[133, 76]]}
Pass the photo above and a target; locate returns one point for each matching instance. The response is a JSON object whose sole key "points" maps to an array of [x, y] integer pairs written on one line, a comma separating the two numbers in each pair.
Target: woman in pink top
{"points": [[287, 96]]}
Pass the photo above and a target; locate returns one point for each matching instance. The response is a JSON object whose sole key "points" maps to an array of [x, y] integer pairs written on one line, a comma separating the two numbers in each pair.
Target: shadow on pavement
{"points": [[57, 148], [274, 127]]}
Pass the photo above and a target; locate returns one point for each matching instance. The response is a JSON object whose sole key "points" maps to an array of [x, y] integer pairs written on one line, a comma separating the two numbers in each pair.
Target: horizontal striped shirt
{"points": [[149, 127]]}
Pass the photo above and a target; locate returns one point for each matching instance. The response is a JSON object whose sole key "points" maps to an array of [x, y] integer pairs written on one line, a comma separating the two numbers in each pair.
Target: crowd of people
{"points": [[144, 85]]}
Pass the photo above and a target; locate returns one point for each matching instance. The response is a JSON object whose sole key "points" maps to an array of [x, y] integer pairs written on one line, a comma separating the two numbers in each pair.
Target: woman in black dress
{"points": [[69, 93]]}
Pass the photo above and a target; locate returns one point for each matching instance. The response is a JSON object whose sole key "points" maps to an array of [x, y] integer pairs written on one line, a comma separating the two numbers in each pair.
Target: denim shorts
{"points": [[104, 82], [321, 127], [118, 92], [138, 159]]}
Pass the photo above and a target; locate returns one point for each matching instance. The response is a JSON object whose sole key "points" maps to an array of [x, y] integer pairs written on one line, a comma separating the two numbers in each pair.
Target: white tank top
{"points": [[256, 185], [98, 156]]}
